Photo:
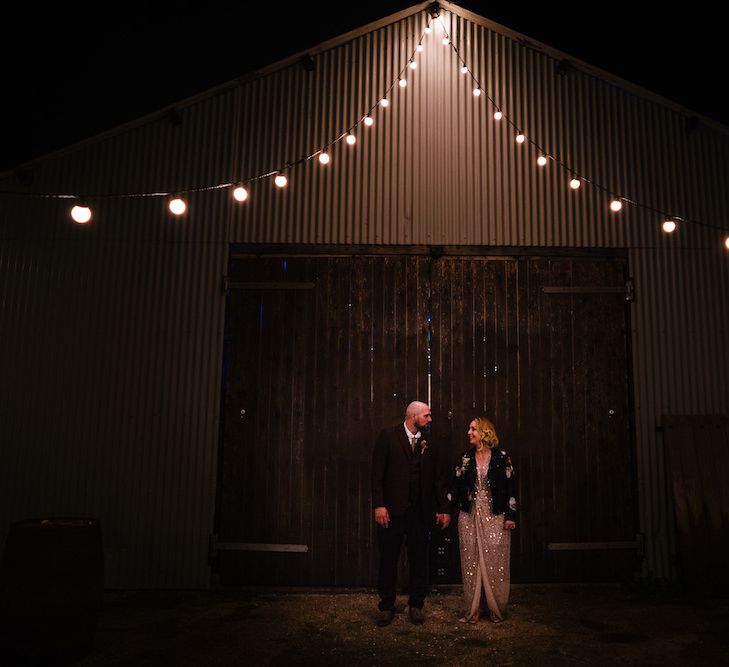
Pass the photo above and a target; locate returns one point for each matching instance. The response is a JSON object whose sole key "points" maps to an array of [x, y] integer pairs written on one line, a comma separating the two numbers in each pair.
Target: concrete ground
{"points": [[547, 625]]}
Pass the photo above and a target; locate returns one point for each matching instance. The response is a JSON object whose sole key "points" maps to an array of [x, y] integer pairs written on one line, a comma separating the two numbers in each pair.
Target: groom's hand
{"points": [[443, 520], [382, 516]]}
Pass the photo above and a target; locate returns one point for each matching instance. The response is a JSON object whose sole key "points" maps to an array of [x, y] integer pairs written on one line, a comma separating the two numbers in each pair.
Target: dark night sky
{"points": [[69, 74]]}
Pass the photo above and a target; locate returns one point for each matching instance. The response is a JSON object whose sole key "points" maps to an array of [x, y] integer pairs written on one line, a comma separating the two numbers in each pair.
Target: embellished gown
{"points": [[485, 548]]}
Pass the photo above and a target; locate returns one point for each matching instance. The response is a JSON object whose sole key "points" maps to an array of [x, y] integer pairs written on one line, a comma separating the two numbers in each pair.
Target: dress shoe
{"points": [[385, 617], [417, 616]]}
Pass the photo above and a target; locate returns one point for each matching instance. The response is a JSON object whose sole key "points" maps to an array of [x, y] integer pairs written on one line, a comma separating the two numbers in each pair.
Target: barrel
{"points": [[51, 587]]}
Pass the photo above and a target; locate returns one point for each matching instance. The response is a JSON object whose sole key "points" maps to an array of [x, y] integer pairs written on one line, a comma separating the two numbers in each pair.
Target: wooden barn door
{"points": [[324, 351], [540, 346]]}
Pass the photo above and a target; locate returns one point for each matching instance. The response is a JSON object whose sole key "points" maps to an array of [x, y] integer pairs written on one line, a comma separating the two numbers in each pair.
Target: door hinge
{"points": [[630, 290]]}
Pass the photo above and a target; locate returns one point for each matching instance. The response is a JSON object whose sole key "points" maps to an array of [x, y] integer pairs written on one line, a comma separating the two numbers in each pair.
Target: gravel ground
{"points": [[552, 625]]}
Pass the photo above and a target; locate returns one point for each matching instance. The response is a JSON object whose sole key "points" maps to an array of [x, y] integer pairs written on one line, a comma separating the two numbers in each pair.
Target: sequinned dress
{"points": [[485, 549]]}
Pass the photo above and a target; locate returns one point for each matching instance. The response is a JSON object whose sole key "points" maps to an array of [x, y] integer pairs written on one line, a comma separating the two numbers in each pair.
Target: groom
{"points": [[409, 496]]}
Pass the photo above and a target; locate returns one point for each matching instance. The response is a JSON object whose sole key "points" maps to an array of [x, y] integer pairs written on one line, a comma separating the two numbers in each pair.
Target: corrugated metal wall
{"points": [[680, 366], [112, 333], [112, 349]]}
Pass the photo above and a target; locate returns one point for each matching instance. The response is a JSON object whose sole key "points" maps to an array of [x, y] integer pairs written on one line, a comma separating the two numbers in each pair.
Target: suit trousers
{"points": [[411, 527]]}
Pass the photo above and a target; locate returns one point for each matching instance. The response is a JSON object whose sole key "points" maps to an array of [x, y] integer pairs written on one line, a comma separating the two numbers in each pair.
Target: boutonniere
{"points": [[423, 446]]}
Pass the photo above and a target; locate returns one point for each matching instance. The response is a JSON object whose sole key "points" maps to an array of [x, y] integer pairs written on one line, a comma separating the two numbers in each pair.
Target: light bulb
{"points": [[413, 65], [324, 158], [616, 205], [498, 115], [464, 70], [419, 48], [541, 160], [281, 181], [368, 121], [726, 242], [384, 102], [575, 183], [351, 139], [402, 83], [177, 206], [669, 226], [446, 41], [81, 214], [520, 138], [428, 30], [240, 193], [476, 92]]}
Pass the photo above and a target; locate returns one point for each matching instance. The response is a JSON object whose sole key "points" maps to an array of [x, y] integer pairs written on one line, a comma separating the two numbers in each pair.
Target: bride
{"points": [[485, 488]]}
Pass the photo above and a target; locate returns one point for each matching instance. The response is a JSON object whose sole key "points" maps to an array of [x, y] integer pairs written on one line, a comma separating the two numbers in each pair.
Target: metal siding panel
{"points": [[680, 367], [118, 342]]}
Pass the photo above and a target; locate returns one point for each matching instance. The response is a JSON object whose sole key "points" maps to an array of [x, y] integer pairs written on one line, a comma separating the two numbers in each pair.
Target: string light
{"points": [[726, 242], [81, 214], [177, 206], [575, 183]]}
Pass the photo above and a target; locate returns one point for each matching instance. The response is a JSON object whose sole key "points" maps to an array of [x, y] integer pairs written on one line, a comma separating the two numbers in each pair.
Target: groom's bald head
{"points": [[417, 414]]}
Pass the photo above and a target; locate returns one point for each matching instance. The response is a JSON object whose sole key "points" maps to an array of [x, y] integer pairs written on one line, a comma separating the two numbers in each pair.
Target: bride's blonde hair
{"points": [[486, 432]]}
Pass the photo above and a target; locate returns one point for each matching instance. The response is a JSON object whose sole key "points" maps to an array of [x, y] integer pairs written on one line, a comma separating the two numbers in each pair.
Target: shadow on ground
{"points": [[547, 625]]}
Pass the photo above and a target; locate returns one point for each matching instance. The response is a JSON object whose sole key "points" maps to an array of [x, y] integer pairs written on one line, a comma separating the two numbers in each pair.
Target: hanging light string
{"points": [[81, 212], [349, 132], [544, 155], [278, 174], [116, 195]]}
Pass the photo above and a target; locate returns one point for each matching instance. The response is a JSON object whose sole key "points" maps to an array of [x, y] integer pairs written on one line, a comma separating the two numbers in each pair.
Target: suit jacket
{"points": [[392, 470]]}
